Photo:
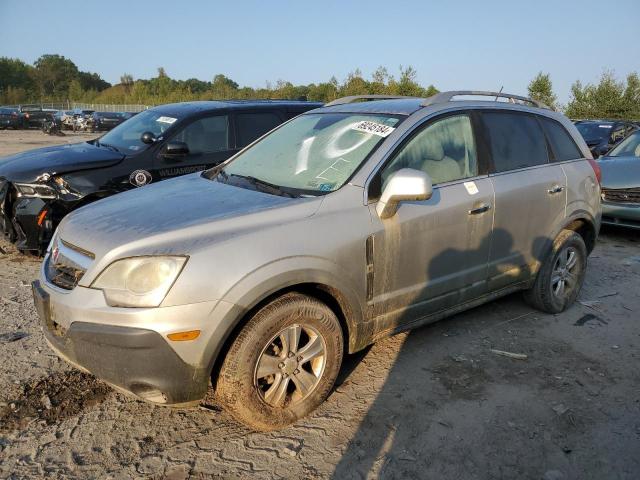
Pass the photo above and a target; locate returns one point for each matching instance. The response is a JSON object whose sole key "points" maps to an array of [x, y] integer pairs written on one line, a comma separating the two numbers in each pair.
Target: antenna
{"points": [[499, 91]]}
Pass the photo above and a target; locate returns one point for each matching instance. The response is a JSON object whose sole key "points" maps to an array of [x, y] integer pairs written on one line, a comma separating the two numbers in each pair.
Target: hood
{"points": [[175, 216], [27, 166], [620, 172]]}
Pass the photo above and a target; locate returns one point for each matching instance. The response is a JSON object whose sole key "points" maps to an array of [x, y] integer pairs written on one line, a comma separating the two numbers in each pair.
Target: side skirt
{"points": [[441, 314]]}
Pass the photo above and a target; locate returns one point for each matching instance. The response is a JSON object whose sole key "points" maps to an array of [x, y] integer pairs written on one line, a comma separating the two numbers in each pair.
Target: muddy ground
{"points": [[435, 403]]}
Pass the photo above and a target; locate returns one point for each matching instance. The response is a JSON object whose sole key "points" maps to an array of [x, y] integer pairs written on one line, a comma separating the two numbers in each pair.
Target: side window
{"points": [[254, 125], [207, 135], [564, 148], [444, 149], [516, 141]]}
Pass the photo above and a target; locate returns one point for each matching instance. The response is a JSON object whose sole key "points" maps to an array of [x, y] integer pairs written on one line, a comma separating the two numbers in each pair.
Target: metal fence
{"points": [[98, 107]]}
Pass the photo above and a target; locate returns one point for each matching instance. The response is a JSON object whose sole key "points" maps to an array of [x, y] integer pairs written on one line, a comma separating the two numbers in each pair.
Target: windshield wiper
{"points": [[261, 184]]}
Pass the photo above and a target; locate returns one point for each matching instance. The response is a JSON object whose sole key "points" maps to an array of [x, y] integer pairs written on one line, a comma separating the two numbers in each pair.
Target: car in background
{"points": [[602, 135], [34, 116], [11, 118], [621, 183], [39, 187], [104, 121]]}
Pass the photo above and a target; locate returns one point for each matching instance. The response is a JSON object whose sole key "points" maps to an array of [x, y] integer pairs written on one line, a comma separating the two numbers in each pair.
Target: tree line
{"points": [[54, 78]]}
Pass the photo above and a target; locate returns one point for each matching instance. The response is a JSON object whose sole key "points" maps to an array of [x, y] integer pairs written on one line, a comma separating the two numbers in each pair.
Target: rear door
{"points": [[530, 195], [209, 141]]}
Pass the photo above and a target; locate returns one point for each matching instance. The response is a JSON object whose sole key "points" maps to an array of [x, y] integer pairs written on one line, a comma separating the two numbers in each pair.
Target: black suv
{"points": [[39, 187], [602, 135]]}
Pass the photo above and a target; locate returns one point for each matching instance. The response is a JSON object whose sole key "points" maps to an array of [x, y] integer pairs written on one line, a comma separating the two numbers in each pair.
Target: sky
{"points": [[454, 45]]}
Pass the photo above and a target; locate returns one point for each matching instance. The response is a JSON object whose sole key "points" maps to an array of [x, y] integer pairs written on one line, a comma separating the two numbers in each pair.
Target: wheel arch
{"points": [[585, 226], [348, 315]]}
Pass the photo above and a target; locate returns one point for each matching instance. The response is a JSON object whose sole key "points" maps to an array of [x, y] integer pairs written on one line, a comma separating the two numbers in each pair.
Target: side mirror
{"points": [[407, 184], [148, 138], [603, 150], [175, 149]]}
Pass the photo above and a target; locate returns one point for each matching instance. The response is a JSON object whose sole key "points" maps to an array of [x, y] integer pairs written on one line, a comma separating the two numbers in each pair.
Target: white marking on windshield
{"points": [[302, 162]]}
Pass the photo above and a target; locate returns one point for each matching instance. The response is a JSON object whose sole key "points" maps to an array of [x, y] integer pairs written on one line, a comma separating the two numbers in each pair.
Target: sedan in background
{"points": [[621, 183], [11, 118], [602, 135]]}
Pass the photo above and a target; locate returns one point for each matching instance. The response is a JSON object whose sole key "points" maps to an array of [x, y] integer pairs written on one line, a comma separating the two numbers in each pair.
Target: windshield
{"points": [[314, 153], [594, 130], [126, 136], [629, 147]]}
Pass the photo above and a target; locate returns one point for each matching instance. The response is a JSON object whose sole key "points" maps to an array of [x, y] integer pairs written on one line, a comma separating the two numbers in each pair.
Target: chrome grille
{"points": [[622, 195], [66, 264]]}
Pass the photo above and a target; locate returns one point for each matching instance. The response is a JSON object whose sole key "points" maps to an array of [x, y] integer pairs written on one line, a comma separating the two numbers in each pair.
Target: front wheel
{"points": [[283, 364], [561, 275]]}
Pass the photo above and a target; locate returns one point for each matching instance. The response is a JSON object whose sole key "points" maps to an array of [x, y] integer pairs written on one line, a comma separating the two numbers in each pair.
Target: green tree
{"points": [[76, 92], [223, 87], [609, 98], [53, 73], [16, 80], [541, 89]]}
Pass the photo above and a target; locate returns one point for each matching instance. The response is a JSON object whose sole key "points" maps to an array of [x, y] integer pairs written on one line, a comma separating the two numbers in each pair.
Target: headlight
{"points": [[35, 190], [139, 281]]}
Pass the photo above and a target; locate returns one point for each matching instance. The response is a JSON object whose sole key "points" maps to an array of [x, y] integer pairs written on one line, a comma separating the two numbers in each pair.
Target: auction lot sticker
{"points": [[166, 119], [372, 127]]}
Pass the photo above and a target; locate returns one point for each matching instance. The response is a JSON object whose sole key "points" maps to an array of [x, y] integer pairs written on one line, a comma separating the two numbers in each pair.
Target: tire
{"points": [[303, 384], [561, 276]]}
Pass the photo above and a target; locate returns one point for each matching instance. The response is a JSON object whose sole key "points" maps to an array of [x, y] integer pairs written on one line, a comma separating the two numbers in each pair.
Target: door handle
{"points": [[555, 189], [485, 207]]}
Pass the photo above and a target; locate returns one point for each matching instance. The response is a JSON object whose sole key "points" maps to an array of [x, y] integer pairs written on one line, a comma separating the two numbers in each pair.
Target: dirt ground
{"points": [[14, 141], [435, 403]]}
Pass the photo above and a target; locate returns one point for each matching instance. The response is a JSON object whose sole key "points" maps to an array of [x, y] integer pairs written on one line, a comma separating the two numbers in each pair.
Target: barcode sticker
{"points": [[166, 119], [471, 187], [375, 128]]}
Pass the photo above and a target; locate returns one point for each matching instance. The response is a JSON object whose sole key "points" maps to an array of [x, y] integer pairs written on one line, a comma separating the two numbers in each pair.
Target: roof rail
{"points": [[444, 97], [353, 98]]}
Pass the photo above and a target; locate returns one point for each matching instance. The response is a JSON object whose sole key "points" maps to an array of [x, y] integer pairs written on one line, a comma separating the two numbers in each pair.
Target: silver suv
{"points": [[347, 224]]}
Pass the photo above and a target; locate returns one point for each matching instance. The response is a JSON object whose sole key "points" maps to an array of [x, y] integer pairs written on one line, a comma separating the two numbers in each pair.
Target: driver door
{"points": [[207, 141], [433, 254]]}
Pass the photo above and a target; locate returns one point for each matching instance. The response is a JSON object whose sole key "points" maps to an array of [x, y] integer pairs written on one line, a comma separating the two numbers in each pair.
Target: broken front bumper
{"points": [[24, 223]]}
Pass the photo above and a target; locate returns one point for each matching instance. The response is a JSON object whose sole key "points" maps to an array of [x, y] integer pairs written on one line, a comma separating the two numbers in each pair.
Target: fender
{"points": [[267, 280], [284, 273]]}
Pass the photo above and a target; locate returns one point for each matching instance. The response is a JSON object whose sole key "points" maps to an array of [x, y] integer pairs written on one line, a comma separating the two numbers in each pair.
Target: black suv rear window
{"points": [[516, 140], [254, 125], [564, 148]]}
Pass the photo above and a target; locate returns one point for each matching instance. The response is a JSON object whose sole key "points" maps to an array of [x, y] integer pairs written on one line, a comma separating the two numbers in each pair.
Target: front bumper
{"points": [[131, 351], [30, 232], [622, 214]]}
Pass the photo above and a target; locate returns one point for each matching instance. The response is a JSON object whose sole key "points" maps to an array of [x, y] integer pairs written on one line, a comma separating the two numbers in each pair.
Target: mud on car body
{"points": [[39, 187]]}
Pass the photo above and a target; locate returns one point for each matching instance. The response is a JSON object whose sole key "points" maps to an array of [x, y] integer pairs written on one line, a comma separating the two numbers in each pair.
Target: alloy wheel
{"points": [[290, 366], [564, 277]]}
